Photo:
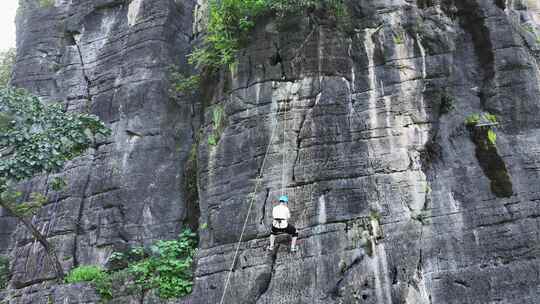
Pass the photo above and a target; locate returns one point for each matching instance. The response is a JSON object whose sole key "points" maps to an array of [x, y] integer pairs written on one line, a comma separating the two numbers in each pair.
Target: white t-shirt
{"points": [[281, 212]]}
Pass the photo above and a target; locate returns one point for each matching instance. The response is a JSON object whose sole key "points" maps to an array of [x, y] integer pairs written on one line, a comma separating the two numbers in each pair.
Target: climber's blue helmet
{"points": [[284, 199]]}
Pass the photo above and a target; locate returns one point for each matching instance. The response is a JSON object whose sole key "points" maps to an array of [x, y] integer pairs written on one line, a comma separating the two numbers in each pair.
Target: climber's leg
{"points": [[293, 243], [273, 233], [294, 234], [272, 241]]}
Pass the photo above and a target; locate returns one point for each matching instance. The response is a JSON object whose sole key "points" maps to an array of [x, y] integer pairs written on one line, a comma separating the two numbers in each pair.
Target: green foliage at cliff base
{"points": [[166, 267], [101, 280]]}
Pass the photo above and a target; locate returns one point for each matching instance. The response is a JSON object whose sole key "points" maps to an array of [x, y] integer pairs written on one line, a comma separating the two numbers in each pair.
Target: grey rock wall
{"points": [[394, 199], [366, 135], [109, 58]]}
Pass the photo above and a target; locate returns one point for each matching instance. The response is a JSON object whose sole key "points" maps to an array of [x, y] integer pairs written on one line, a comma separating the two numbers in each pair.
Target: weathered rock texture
{"points": [[109, 58], [361, 128]]}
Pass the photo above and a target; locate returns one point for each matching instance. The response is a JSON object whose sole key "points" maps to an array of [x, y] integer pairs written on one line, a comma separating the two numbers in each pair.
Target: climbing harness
{"points": [[253, 197]]}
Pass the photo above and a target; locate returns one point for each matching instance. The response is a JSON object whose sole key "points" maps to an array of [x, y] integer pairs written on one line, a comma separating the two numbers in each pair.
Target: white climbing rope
{"points": [[253, 197], [283, 150]]}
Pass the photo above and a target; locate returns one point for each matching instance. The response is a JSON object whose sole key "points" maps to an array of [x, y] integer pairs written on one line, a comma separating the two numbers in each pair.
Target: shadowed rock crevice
{"points": [[79, 225], [298, 144], [335, 292], [492, 163], [423, 4], [473, 20], [88, 83], [110, 4], [501, 4], [191, 189], [263, 207], [264, 279]]}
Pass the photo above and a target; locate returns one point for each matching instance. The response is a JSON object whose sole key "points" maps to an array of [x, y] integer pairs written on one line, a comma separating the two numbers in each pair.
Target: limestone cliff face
{"points": [[396, 200], [110, 58]]}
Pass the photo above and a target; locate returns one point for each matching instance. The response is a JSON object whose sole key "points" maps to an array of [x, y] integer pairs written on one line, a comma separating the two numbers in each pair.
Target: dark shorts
{"points": [[289, 230]]}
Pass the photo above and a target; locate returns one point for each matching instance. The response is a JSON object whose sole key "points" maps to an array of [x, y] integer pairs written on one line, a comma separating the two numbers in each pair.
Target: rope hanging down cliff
{"points": [[283, 177], [254, 193]]}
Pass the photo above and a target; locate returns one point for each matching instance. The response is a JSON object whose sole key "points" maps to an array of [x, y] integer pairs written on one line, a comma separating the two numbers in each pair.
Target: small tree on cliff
{"points": [[7, 59], [37, 138]]}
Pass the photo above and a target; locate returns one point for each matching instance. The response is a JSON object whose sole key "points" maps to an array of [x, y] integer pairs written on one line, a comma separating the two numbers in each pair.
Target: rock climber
{"points": [[280, 223]]}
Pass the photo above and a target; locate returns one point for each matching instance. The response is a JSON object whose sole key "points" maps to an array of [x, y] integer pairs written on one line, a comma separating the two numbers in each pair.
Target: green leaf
{"points": [[212, 140], [492, 137]]}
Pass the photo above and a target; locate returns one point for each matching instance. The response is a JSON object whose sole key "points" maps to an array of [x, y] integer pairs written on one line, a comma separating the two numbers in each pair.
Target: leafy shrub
{"points": [[7, 60], [46, 3], [182, 84], [168, 268], [4, 272], [228, 25], [472, 120], [492, 137], [399, 38], [58, 184], [96, 275], [528, 28], [218, 124], [446, 102], [122, 260], [486, 132], [37, 200], [85, 274], [287, 7], [490, 117]]}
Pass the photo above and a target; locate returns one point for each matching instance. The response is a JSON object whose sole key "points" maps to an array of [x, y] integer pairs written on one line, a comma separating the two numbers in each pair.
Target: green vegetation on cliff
{"points": [[487, 121], [37, 138], [231, 21], [46, 3], [218, 124], [229, 25], [4, 272], [7, 59], [182, 84], [101, 280], [167, 268]]}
